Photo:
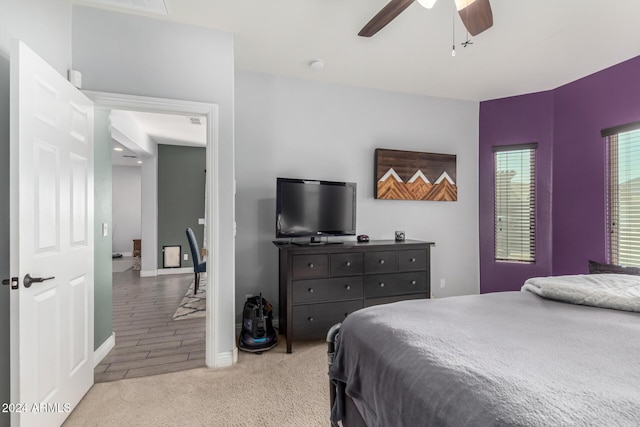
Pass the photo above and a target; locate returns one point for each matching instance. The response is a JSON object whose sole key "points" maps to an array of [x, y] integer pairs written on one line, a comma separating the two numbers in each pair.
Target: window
{"points": [[515, 209], [623, 210]]}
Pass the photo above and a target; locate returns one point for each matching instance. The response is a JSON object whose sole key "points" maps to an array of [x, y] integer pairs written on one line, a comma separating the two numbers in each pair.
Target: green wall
{"points": [[102, 205], [181, 178]]}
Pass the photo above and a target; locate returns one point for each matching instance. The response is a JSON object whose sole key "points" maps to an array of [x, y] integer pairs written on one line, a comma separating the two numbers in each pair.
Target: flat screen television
{"points": [[312, 208]]}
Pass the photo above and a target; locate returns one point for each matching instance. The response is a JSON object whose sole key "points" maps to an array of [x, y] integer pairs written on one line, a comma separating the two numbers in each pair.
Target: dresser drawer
{"points": [[386, 300], [415, 259], [346, 264], [314, 320], [380, 285], [310, 266], [336, 289], [380, 262]]}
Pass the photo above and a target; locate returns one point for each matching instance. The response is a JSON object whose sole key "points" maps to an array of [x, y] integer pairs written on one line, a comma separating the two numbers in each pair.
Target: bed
{"points": [[563, 351]]}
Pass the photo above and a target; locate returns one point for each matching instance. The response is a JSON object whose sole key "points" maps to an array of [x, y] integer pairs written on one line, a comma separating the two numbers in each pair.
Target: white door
{"points": [[52, 239]]}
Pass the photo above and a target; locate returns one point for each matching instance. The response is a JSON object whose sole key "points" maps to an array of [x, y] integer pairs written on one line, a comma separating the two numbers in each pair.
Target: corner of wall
{"points": [[5, 394], [103, 288]]}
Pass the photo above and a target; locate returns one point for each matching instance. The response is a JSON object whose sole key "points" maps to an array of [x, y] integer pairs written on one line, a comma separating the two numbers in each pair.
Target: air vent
{"points": [[128, 156], [195, 121], [152, 6]]}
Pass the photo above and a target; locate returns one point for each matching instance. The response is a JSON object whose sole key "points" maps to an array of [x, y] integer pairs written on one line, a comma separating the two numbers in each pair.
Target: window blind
{"points": [[515, 210], [623, 210]]}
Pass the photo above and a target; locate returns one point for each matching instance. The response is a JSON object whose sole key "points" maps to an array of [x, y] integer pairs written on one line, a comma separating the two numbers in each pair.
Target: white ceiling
{"points": [[167, 129], [172, 129], [534, 45], [123, 156]]}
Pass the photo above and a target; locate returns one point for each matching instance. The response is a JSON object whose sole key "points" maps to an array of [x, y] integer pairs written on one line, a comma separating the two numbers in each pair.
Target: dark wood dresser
{"points": [[321, 285]]}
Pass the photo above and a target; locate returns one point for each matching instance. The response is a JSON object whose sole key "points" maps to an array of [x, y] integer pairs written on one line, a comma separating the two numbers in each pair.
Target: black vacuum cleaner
{"points": [[257, 333]]}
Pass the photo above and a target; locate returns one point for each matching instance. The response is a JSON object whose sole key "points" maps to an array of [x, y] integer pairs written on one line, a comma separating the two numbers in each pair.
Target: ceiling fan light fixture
{"points": [[427, 3], [461, 4]]}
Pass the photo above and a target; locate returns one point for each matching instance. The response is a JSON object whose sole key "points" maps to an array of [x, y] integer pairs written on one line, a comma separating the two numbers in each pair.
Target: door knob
{"points": [[28, 280]]}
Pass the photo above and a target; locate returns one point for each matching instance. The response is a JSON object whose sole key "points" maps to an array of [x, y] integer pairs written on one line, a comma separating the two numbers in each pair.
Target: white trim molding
{"points": [[169, 271], [210, 111], [148, 273], [226, 359], [101, 352]]}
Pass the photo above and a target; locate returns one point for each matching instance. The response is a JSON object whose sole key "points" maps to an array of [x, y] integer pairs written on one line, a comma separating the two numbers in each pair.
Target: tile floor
{"points": [[148, 341]]}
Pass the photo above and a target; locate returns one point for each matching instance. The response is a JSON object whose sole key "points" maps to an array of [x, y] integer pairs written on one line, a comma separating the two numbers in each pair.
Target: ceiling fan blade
{"points": [[476, 15], [386, 15]]}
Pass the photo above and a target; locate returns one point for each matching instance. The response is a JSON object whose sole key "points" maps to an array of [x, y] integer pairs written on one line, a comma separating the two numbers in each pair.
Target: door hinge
{"points": [[13, 282]]}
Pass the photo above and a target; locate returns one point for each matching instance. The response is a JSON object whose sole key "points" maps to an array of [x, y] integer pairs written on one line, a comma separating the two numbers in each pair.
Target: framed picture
{"points": [[413, 175]]}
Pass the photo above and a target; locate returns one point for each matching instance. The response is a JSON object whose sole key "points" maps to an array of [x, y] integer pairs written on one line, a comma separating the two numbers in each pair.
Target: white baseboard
{"points": [[148, 273], [168, 271], [165, 271], [225, 359], [101, 352]]}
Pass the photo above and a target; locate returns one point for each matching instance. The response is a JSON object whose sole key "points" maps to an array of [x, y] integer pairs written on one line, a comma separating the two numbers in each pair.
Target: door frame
{"points": [[118, 101]]}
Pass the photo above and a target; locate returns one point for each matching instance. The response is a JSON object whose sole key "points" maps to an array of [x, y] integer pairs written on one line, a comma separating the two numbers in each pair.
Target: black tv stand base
{"points": [[316, 243]]}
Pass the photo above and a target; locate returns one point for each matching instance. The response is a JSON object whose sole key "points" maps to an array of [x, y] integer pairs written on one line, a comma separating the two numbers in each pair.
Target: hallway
{"points": [[148, 340]]}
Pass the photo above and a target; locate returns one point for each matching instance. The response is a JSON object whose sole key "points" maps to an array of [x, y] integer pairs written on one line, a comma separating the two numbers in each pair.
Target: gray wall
{"points": [[127, 207], [181, 178], [45, 26], [301, 129], [150, 57], [103, 283], [149, 212]]}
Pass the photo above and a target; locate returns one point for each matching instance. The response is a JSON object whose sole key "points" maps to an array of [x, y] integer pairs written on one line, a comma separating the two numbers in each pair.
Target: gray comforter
{"points": [[502, 359]]}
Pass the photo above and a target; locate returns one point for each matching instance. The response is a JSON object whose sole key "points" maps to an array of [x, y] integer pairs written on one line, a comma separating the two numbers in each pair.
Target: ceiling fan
{"points": [[476, 15]]}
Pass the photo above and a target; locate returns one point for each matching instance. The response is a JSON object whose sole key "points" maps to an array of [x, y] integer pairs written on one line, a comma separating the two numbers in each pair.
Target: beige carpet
{"points": [[271, 389]]}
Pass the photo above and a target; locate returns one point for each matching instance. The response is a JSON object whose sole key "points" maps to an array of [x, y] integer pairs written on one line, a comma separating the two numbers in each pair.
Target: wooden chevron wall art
{"points": [[412, 175]]}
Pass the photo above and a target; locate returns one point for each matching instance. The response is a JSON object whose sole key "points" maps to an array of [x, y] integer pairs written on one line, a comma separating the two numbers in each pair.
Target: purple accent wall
{"points": [[583, 108], [566, 123], [511, 121]]}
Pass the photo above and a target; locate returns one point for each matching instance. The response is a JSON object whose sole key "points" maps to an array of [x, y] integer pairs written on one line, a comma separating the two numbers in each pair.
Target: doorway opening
{"points": [[158, 317], [151, 268]]}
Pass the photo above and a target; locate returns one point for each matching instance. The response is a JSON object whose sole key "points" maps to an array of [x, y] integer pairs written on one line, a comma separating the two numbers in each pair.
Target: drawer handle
{"points": [[310, 319], [348, 263], [382, 284], [412, 260], [311, 289], [381, 261], [310, 265], [347, 287], [413, 282]]}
